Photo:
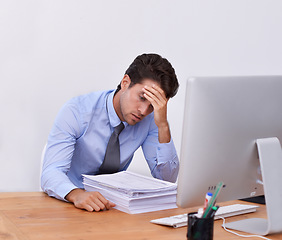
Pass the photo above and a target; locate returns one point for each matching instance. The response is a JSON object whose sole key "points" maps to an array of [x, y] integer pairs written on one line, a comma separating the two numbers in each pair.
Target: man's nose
{"points": [[145, 108]]}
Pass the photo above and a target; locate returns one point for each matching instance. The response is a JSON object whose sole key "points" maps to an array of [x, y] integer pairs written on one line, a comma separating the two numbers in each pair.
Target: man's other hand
{"points": [[90, 201]]}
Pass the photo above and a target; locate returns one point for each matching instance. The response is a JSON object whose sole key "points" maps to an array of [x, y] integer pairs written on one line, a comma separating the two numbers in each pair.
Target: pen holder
{"points": [[199, 228]]}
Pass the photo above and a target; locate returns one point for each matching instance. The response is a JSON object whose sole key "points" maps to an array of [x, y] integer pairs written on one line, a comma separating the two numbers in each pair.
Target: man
{"points": [[78, 140]]}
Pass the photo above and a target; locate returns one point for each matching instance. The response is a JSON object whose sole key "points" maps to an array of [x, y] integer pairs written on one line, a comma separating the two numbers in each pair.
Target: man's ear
{"points": [[125, 82]]}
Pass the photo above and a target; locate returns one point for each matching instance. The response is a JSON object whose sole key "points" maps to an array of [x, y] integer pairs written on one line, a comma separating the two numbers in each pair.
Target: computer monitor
{"points": [[223, 119]]}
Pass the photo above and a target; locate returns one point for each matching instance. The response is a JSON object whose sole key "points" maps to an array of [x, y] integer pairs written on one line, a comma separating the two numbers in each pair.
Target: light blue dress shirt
{"points": [[79, 137]]}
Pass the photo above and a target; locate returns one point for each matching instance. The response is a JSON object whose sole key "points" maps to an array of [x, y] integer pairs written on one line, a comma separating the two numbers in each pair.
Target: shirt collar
{"points": [[113, 117]]}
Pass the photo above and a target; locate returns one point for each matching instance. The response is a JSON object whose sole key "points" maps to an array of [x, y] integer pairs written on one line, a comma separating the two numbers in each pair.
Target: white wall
{"points": [[53, 50]]}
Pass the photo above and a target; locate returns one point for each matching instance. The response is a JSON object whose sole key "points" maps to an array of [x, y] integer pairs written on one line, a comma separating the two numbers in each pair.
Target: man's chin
{"points": [[133, 120], [132, 123]]}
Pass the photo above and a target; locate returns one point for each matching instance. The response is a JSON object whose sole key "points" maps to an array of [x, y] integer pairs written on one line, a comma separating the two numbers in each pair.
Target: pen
{"points": [[212, 212]]}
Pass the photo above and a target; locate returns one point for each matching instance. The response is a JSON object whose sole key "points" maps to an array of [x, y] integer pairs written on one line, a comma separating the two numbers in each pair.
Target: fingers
{"points": [[99, 206], [155, 95], [110, 205], [102, 202], [99, 202], [92, 201]]}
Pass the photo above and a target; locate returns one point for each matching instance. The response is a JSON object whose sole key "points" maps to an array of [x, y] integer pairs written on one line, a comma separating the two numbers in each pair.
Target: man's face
{"points": [[133, 106]]}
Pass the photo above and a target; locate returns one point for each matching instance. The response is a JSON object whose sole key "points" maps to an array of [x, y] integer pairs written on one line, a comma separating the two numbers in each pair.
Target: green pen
{"points": [[212, 212]]}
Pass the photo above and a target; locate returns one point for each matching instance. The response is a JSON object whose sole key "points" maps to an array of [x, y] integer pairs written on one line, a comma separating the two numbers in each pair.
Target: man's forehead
{"points": [[149, 82]]}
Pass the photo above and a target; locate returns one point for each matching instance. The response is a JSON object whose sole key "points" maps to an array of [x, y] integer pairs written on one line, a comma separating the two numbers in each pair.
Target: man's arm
{"points": [[57, 160], [161, 156], [59, 152], [156, 96]]}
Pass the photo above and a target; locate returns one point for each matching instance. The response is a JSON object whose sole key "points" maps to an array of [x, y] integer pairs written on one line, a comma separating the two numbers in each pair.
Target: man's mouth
{"points": [[136, 117]]}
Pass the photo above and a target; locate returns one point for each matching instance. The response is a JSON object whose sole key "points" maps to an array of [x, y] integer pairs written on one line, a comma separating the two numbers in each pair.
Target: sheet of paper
{"points": [[130, 181]]}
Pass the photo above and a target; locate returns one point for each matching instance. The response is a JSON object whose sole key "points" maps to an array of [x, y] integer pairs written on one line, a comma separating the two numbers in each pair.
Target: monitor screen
{"points": [[223, 118]]}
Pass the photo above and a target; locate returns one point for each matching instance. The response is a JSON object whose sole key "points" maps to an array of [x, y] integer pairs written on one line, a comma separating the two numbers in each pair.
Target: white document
{"points": [[129, 183], [146, 209], [128, 201], [133, 193]]}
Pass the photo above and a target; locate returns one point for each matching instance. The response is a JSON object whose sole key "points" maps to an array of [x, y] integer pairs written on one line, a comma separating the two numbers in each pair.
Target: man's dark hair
{"points": [[154, 67]]}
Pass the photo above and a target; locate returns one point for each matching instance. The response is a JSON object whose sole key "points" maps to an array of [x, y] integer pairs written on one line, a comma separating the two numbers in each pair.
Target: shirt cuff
{"points": [[166, 152], [64, 190]]}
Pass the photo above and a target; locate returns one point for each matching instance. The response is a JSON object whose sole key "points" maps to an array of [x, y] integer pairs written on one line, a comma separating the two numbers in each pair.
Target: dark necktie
{"points": [[111, 161]]}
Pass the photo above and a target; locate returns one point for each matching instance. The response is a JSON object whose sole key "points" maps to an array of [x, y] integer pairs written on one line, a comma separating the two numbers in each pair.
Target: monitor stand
{"points": [[270, 156]]}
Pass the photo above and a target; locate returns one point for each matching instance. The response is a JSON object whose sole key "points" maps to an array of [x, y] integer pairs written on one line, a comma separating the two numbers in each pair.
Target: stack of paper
{"points": [[133, 193]]}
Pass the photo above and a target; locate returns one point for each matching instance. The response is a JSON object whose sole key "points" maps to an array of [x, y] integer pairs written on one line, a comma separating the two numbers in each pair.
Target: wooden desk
{"points": [[35, 216]]}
